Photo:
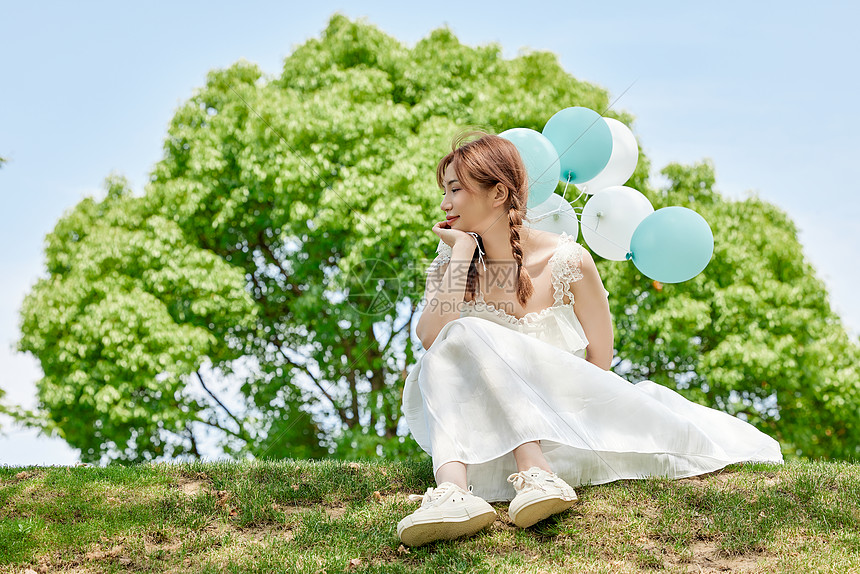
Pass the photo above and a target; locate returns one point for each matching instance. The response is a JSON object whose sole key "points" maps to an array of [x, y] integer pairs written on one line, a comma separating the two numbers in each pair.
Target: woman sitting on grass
{"points": [[515, 387]]}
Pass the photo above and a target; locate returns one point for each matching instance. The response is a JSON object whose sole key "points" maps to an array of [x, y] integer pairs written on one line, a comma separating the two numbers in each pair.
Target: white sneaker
{"points": [[446, 512], [540, 494]]}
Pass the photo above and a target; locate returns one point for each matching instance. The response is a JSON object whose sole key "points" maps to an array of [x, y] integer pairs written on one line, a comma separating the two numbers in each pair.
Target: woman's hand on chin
{"points": [[449, 235]]}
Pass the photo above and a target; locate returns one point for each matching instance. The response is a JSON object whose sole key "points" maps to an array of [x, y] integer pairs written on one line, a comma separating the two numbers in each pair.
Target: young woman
{"points": [[515, 385]]}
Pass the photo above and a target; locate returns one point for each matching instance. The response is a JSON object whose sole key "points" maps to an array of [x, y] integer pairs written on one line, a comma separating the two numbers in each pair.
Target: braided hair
{"points": [[490, 160]]}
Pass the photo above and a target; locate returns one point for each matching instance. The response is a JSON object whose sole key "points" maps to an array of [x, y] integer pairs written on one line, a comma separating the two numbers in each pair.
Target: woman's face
{"points": [[473, 207]]}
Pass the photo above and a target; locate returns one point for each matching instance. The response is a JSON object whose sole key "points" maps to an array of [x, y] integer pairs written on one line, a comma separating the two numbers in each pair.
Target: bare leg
{"points": [[528, 455], [453, 471]]}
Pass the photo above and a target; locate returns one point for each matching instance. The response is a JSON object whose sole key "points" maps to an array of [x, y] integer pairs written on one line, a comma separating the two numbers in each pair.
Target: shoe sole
{"points": [[417, 534], [539, 510]]}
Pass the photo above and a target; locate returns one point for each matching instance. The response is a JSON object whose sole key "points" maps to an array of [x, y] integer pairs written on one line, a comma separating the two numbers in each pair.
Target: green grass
{"points": [[336, 516]]}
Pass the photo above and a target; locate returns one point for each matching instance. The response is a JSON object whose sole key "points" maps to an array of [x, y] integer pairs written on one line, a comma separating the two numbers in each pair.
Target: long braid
{"points": [[525, 288], [472, 280]]}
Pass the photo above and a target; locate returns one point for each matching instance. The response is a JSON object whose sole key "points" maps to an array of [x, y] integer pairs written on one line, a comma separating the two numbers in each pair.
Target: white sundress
{"points": [[491, 382]]}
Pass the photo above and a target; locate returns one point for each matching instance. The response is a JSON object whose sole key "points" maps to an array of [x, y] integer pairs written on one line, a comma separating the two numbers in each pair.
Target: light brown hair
{"points": [[487, 161]]}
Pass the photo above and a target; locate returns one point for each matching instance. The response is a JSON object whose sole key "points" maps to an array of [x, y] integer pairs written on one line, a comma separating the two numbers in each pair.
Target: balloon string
{"points": [[557, 210], [564, 191], [579, 222]]}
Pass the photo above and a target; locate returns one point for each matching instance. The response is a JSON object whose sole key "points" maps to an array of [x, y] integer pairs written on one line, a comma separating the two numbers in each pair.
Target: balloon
{"points": [[672, 244], [540, 159], [562, 218], [622, 162], [583, 142], [610, 218]]}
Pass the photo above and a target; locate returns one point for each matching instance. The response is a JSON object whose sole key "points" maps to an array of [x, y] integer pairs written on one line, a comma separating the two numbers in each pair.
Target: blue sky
{"points": [[766, 90]]}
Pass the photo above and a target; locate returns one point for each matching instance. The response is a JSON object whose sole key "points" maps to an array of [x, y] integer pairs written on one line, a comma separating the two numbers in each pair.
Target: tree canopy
{"points": [[267, 282]]}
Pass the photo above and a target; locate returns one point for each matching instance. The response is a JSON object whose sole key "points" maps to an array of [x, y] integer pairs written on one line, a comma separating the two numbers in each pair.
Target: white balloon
{"points": [[622, 162], [554, 215], [609, 219]]}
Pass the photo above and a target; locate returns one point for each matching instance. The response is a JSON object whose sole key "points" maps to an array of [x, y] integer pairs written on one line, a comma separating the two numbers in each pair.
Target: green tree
{"points": [[316, 188], [280, 247], [130, 311]]}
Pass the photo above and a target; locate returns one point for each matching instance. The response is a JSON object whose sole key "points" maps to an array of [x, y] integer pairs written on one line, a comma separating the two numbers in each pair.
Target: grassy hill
{"points": [[338, 516]]}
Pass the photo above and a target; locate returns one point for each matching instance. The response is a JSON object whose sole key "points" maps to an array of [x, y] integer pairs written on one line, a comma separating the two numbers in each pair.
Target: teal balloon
{"points": [[540, 159], [672, 245], [583, 141]]}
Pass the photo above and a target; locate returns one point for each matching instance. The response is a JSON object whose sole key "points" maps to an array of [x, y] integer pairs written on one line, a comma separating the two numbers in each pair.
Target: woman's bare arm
{"points": [[444, 293], [592, 309]]}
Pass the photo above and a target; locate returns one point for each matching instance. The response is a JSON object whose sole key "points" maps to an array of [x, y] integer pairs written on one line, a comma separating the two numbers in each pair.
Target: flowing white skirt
{"points": [[483, 389]]}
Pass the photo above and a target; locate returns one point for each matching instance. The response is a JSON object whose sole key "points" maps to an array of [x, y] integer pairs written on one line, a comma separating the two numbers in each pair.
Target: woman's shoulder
{"points": [[544, 241], [562, 244]]}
